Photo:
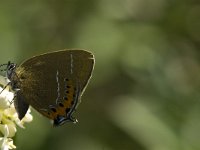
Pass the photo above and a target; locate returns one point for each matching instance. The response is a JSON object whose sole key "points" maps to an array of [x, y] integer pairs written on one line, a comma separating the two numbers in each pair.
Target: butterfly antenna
{"points": [[3, 70], [2, 66]]}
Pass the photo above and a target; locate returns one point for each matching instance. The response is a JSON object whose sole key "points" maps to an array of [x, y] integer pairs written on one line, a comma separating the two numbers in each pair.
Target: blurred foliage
{"points": [[144, 94]]}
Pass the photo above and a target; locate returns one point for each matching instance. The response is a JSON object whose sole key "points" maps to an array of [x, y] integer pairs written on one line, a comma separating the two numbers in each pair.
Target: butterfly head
{"points": [[10, 69]]}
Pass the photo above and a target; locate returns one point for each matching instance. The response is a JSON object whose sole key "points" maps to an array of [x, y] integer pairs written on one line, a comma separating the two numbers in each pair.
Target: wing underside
{"points": [[53, 80]]}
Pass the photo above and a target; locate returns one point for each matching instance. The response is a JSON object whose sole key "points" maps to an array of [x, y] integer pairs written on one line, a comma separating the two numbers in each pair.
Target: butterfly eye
{"points": [[11, 66]]}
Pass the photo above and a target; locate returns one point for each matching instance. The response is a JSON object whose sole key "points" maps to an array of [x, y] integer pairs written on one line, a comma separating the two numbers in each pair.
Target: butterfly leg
{"points": [[5, 87]]}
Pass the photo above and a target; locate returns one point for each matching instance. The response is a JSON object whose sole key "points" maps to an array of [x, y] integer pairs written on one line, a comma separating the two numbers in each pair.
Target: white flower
{"points": [[5, 142], [8, 116]]}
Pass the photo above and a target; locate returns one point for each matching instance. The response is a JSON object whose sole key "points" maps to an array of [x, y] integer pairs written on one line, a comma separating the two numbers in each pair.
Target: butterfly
{"points": [[52, 83]]}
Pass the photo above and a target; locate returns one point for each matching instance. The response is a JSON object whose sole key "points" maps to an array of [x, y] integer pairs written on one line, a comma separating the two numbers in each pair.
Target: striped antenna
{"points": [[2, 66]]}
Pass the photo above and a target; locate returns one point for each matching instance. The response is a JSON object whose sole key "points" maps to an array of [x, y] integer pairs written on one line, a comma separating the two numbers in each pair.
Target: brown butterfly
{"points": [[52, 83]]}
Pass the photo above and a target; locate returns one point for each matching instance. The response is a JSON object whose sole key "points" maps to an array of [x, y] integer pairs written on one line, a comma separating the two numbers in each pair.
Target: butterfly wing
{"points": [[20, 104], [52, 83]]}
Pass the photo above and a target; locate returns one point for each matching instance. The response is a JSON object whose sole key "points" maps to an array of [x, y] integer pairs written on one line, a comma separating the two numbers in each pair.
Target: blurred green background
{"points": [[145, 90]]}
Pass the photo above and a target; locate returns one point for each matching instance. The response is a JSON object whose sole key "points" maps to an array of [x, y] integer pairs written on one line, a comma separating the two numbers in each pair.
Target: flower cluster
{"points": [[8, 116]]}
